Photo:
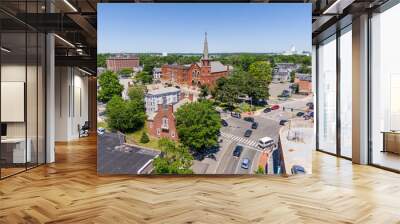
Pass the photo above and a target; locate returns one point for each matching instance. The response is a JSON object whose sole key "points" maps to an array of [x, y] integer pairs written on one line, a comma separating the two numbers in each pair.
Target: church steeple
{"points": [[205, 59], [205, 50]]}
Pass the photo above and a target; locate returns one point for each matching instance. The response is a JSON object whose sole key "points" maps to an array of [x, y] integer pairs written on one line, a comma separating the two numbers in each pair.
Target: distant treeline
{"points": [[238, 60]]}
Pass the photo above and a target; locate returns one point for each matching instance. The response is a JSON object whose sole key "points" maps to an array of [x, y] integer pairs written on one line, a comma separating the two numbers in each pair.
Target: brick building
{"points": [[162, 124], [305, 83], [116, 64], [175, 73], [205, 72]]}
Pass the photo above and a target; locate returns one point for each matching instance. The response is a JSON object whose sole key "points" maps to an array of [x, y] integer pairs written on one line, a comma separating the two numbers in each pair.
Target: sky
{"points": [[180, 28]]}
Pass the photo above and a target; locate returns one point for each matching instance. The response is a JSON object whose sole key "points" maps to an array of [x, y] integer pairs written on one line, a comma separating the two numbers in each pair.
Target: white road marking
{"points": [[247, 142]]}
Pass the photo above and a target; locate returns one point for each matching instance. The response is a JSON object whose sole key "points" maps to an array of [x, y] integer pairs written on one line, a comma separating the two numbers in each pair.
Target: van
{"points": [[265, 142]]}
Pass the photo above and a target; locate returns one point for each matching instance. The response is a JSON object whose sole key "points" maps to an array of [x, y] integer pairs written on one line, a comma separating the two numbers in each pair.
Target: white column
{"points": [[314, 87], [360, 90], [50, 99]]}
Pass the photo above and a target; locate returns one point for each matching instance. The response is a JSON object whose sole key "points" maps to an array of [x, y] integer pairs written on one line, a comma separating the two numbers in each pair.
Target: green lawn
{"points": [[134, 138]]}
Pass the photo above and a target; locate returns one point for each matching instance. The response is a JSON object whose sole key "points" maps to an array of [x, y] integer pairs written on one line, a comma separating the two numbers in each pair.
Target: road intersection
{"points": [[233, 135]]}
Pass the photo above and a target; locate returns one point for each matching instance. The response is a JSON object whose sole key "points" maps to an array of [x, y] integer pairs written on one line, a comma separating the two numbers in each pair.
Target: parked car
{"points": [[238, 150], [254, 125], [101, 131], [249, 119], [283, 122], [275, 107], [285, 93], [308, 115], [248, 133], [310, 105], [260, 102], [224, 123], [267, 110], [299, 114], [236, 115], [296, 169], [245, 163]]}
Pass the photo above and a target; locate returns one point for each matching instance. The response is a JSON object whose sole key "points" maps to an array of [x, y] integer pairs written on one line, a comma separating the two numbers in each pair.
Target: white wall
{"points": [[71, 102]]}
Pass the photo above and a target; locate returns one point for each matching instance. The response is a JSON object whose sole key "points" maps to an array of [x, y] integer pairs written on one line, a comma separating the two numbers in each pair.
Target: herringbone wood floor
{"points": [[70, 191]]}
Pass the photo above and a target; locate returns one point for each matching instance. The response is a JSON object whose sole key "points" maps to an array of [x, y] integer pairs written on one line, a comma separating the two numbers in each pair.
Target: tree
{"points": [[148, 68], [245, 60], [292, 76], [304, 69], [144, 77], [101, 60], [256, 88], [145, 138], [109, 86], [125, 116], [126, 72], [136, 92], [198, 125], [240, 83], [175, 158], [204, 91], [295, 87], [226, 91], [261, 70]]}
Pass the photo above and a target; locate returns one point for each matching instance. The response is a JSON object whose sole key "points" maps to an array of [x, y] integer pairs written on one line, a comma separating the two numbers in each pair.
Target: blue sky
{"points": [[179, 28]]}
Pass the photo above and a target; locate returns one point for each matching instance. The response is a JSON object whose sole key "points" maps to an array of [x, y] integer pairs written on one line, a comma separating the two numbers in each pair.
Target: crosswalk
{"points": [[245, 141]]}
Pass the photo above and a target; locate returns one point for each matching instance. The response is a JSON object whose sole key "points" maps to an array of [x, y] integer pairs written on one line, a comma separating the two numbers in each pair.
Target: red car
{"points": [[275, 107]]}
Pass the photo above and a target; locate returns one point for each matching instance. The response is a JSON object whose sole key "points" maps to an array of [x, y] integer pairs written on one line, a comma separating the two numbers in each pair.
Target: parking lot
{"points": [[114, 157]]}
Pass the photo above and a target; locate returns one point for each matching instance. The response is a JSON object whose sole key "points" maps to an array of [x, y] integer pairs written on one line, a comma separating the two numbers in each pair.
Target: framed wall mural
{"points": [[205, 89]]}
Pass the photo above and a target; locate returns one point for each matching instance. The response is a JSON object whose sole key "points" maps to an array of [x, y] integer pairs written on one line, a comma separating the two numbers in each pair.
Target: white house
{"points": [[168, 95]]}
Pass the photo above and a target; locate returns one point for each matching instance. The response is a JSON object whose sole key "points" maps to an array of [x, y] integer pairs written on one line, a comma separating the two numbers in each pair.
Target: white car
{"points": [[101, 131], [265, 142]]}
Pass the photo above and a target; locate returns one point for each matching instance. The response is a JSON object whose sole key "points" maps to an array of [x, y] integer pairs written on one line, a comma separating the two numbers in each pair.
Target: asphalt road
{"points": [[266, 127], [228, 164], [234, 135]]}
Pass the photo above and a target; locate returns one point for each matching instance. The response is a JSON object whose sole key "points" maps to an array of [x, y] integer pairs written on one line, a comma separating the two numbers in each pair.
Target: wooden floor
{"points": [[70, 191]]}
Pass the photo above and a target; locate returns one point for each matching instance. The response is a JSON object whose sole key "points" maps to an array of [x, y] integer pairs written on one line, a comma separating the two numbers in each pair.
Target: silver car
{"points": [[245, 163], [101, 131]]}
